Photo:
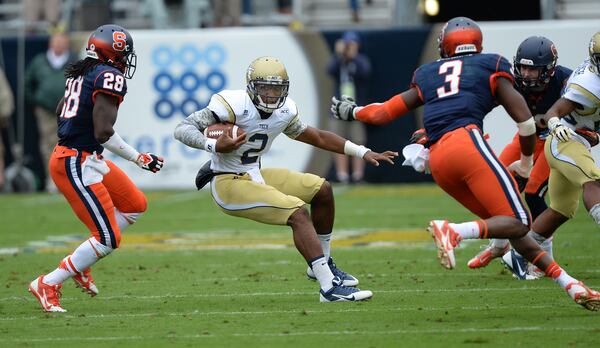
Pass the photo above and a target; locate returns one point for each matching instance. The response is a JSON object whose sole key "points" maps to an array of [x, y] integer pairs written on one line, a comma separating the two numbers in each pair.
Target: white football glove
{"points": [[559, 130], [522, 167], [343, 109]]}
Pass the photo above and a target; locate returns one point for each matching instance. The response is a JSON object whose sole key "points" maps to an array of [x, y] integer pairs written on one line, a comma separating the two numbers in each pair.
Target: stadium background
{"points": [[179, 70]]}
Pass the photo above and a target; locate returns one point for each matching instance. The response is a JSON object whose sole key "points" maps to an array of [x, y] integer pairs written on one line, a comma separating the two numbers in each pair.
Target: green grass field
{"points": [[188, 275]]}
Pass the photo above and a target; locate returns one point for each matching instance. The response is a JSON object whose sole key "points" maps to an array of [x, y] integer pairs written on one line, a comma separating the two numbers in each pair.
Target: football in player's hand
{"points": [[216, 130]]}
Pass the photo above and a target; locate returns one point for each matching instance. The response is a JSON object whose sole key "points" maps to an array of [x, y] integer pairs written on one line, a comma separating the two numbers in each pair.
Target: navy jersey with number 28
{"points": [[458, 91], [75, 123]]}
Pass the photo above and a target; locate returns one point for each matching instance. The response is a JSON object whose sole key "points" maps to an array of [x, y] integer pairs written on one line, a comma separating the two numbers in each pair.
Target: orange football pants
{"points": [[463, 164], [95, 204], [538, 179]]}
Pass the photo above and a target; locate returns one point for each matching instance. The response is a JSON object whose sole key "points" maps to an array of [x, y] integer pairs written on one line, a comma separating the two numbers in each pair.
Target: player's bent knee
{"points": [[325, 193], [299, 217], [101, 249]]}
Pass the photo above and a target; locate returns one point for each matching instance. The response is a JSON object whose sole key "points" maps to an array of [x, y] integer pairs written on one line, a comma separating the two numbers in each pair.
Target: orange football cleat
{"points": [[47, 295], [486, 256], [85, 282]]}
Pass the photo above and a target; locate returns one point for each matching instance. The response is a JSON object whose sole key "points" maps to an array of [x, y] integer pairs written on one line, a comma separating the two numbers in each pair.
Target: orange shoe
{"points": [[487, 255], [584, 296], [446, 239], [85, 282], [47, 295]]}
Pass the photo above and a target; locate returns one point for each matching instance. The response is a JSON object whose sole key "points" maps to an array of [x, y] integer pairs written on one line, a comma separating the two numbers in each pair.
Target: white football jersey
{"points": [[583, 87], [235, 106]]}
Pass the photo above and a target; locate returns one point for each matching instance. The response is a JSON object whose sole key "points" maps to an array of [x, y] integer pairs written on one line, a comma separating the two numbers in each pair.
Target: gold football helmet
{"points": [[267, 83], [595, 53]]}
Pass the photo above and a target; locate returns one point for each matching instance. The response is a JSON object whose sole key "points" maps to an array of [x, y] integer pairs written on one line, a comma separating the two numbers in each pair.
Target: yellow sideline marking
{"points": [[227, 240]]}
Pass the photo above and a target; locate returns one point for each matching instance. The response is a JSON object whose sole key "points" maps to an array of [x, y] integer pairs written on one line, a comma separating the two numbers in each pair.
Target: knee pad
{"points": [[595, 213]]}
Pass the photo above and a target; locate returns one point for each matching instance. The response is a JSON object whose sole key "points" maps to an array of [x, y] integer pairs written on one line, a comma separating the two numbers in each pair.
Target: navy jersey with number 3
{"points": [[75, 123], [458, 91]]}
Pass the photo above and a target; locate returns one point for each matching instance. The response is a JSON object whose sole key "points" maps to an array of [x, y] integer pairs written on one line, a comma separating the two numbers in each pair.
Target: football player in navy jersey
{"points": [[457, 92], [540, 81], [100, 194]]}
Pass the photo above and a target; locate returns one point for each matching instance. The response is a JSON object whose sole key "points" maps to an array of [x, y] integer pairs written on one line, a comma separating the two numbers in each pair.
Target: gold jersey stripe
{"points": [[227, 106], [585, 92]]}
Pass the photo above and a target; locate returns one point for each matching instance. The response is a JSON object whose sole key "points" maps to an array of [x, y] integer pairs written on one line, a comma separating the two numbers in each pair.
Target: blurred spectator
{"points": [[355, 8], [38, 10], [7, 106], [284, 6], [227, 12], [44, 88], [350, 71]]}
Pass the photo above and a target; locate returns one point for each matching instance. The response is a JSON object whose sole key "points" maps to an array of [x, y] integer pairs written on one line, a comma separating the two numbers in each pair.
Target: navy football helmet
{"points": [[535, 52]]}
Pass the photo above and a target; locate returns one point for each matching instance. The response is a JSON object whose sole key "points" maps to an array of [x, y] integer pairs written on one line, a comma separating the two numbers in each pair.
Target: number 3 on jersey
{"points": [[452, 76]]}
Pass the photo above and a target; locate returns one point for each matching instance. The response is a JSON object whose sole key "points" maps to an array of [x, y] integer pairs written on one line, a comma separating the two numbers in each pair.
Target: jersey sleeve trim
{"points": [[495, 76], [227, 106], [119, 97], [589, 95]]}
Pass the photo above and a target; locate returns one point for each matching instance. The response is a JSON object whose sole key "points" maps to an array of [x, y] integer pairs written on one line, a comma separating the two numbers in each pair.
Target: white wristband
{"points": [[119, 147], [526, 127], [527, 160], [351, 149], [210, 145]]}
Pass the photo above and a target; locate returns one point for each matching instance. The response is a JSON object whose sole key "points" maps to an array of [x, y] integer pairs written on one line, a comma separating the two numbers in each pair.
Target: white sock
{"points": [[467, 230], [545, 243], [325, 244], [499, 243], [82, 258], [125, 220], [322, 273], [564, 279]]}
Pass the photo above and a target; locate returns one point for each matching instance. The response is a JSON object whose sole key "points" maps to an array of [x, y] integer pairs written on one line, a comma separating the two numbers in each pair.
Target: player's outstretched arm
{"points": [[332, 142], [517, 109], [377, 113], [105, 116]]}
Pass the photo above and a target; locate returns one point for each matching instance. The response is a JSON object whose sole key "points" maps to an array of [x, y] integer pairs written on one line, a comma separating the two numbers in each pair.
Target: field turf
{"points": [[188, 275]]}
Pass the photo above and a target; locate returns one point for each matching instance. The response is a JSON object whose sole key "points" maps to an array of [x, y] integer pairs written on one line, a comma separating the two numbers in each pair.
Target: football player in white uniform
{"points": [[240, 187], [574, 121]]}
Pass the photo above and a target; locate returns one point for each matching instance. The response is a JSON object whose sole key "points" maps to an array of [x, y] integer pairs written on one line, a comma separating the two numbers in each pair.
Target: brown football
{"points": [[214, 131]]}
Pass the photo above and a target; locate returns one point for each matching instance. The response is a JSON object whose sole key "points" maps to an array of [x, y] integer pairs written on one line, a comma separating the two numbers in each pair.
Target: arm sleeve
{"points": [[296, 126], [111, 82], [190, 130]]}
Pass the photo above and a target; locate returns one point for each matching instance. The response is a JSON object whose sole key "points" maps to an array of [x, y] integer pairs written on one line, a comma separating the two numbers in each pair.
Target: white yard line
{"points": [[306, 333], [296, 311], [284, 293]]}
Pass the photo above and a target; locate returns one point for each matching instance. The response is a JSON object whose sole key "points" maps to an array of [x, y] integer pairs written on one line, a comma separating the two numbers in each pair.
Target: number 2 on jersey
{"points": [[453, 77], [263, 138]]}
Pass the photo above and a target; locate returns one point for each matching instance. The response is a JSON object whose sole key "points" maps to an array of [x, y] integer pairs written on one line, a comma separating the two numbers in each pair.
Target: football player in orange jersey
{"points": [[457, 92], [540, 81]]}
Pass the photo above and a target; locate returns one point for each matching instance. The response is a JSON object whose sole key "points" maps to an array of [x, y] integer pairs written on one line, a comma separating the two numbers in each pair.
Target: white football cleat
{"points": [[445, 240], [47, 295], [342, 293]]}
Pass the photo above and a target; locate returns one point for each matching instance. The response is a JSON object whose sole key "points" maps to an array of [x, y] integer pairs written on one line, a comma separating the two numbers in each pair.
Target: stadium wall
{"points": [[179, 70]]}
